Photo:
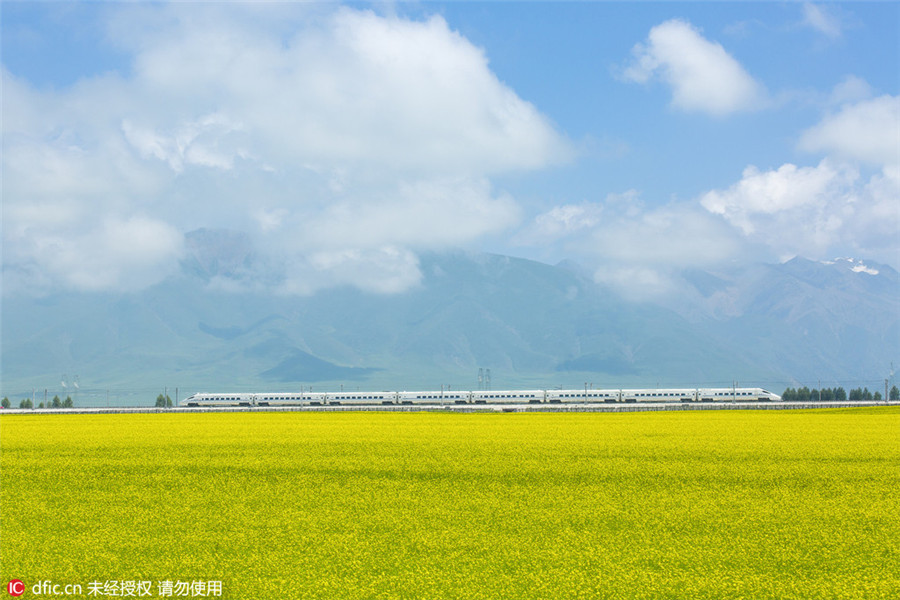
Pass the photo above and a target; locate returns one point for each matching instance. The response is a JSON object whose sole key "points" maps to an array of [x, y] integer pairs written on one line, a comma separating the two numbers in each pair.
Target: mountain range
{"points": [[531, 324]]}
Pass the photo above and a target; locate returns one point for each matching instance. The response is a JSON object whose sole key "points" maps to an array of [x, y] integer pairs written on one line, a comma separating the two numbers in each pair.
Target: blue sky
{"points": [[639, 139]]}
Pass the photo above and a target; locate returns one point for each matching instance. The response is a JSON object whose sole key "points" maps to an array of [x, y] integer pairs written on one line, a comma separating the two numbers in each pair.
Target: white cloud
{"points": [[702, 75], [848, 203], [422, 214], [788, 188], [867, 131], [822, 20], [675, 236], [122, 254], [361, 89], [566, 220], [373, 136], [814, 211], [640, 251], [207, 142]]}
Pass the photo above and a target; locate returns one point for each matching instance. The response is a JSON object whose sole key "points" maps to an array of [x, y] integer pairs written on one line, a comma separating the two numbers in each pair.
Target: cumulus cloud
{"points": [[344, 140], [702, 75], [794, 210], [360, 89], [848, 202], [867, 131]]}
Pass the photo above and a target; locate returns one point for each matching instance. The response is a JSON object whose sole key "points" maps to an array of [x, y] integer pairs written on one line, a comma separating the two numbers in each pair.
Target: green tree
{"points": [[68, 402], [57, 403], [867, 395], [840, 394], [163, 401], [895, 393], [803, 394], [827, 394], [26, 403], [877, 397], [789, 395], [856, 394], [5, 402]]}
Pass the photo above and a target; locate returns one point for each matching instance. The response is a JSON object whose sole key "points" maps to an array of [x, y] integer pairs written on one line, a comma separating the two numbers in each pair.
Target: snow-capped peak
{"points": [[854, 264]]}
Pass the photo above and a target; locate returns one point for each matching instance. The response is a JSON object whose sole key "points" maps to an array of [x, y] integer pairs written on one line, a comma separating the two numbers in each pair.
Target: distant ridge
{"points": [[302, 366], [214, 326]]}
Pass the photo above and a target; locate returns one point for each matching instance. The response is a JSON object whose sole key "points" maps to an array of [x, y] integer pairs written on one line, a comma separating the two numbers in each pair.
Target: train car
{"points": [[435, 397], [359, 398], [660, 395], [508, 397], [582, 396], [279, 399]]}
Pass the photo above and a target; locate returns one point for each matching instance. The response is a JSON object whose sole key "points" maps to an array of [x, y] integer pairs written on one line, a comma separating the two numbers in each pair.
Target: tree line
{"points": [[838, 394], [161, 402], [27, 403]]}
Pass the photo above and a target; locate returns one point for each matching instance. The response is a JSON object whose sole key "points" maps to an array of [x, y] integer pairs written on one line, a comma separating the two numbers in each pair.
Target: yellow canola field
{"points": [[712, 504]]}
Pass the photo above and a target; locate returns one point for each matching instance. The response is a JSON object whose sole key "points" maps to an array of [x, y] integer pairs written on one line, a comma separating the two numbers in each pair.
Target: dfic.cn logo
{"points": [[15, 587]]}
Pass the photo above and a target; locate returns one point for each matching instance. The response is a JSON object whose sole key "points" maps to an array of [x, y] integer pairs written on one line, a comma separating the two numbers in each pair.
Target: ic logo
{"points": [[15, 587]]}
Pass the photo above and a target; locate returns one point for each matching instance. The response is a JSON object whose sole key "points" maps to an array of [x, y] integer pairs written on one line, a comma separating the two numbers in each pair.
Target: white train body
{"points": [[442, 398], [509, 397], [434, 397]]}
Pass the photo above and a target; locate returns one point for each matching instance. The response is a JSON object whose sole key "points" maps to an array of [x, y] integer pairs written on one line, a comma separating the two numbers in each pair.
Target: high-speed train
{"points": [[445, 397]]}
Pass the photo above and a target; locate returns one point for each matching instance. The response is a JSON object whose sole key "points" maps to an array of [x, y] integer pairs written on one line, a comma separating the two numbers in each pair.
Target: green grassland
{"points": [[711, 504]]}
